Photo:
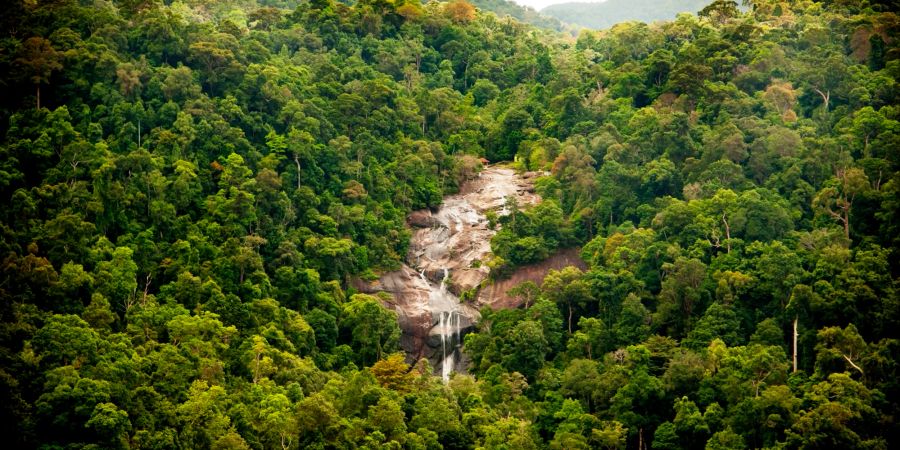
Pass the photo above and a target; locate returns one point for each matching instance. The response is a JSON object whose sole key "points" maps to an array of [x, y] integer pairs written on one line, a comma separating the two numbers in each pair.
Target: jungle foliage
{"points": [[189, 187]]}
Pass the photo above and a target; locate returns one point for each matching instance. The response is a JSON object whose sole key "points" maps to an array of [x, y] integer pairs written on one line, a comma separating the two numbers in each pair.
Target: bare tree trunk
{"points": [[727, 233], [147, 288], [854, 365], [796, 318], [297, 162], [38, 95], [826, 97]]}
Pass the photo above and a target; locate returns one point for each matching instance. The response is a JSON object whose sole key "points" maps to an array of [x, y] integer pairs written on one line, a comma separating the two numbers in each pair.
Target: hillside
{"points": [[600, 15], [205, 205], [523, 14]]}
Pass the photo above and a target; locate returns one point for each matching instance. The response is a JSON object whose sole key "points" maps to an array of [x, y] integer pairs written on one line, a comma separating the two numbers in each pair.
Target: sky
{"points": [[540, 4]]}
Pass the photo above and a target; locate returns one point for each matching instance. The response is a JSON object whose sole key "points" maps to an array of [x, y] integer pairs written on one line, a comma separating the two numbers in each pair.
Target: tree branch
{"points": [[852, 364]]}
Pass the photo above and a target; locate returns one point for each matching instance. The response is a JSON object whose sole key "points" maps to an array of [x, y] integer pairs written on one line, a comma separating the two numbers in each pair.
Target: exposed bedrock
{"points": [[446, 258]]}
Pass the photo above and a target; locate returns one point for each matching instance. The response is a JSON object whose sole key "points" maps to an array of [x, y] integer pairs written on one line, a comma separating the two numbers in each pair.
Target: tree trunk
{"points": [[297, 162], [146, 289], [796, 318], [847, 223], [850, 361], [727, 233], [38, 95], [826, 97], [570, 318]]}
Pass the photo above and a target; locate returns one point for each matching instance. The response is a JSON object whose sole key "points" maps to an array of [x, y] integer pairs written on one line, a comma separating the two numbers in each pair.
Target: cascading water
{"points": [[454, 238], [449, 331], [445, 309]]}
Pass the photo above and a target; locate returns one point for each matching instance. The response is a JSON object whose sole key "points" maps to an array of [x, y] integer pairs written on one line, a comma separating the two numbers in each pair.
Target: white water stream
{"points": [[445, 307], [456, 243]]}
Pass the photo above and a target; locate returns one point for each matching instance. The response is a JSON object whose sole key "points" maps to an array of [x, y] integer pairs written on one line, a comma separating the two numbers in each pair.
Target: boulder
{"points": [[463, 280], [421, 219]]}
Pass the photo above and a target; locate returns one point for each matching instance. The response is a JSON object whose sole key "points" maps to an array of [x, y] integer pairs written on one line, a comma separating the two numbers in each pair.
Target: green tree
{"points": [[567, 287], [38, 60], [680, 293], [836, 199], [372, 329], [725, 439], [387, 417], [525, 348], [203, 415], [111, 424], [718, 322], [633, 326]]}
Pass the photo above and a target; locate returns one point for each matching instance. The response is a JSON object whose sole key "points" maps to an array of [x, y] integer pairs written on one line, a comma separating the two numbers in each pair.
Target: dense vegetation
{"points": [[189, 186], [607, 13]]}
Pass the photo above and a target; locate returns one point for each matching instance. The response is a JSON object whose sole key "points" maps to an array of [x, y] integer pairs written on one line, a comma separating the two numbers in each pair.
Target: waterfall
{"points": [[456, 238], [446, 310], [450, 341]]}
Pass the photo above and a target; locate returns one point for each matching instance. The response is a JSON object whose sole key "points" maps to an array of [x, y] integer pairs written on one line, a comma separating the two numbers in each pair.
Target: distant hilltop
{"points": [[523, 14], [611, 12]]}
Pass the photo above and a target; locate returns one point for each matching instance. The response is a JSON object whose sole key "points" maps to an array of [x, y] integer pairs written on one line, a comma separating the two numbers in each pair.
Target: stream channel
{"points": [[447, 256]]}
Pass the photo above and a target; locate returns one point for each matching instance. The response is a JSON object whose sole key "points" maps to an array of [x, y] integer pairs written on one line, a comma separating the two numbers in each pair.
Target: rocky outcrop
{"points": [[495, 294], [421, 219], [410, 301], [457, 237], [466, 280], [446, 256]]}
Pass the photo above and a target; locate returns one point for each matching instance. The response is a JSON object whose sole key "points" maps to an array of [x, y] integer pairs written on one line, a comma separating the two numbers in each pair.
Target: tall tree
{"points": [[38, 60]]}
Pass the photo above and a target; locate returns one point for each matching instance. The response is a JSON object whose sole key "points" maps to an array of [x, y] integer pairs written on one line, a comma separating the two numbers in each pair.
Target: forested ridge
{"points": [[525, 14], [190, 188], [610, 12]]}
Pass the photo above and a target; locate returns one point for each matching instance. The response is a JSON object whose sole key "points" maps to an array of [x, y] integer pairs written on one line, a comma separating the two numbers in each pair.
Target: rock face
{"points": [[421, 219], [447, 250], [457, 235], [494, 294]]}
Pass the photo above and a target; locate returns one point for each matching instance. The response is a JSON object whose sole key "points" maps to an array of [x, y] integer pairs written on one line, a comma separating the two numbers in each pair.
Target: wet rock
{"points": [[366, 287], [435, 275], [421, 219], [410, 300], [454, 240], [435, 334], [464, 320], [466, 280]]}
